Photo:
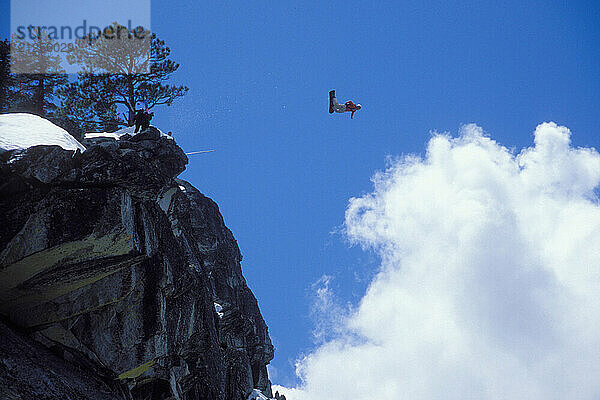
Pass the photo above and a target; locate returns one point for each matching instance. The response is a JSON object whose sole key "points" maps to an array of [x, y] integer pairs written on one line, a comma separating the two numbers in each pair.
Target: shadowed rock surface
{"points": [[125, 276]]}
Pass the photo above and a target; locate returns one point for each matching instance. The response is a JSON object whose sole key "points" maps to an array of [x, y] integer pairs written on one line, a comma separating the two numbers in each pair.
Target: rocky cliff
{"points": [[120, 281]]}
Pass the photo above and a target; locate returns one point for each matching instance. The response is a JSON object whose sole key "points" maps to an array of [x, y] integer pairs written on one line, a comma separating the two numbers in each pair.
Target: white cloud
{"points": [[328, 315], [490, 280]]}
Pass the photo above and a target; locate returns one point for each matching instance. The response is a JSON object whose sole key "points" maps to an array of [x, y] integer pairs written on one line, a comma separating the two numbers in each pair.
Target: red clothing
{"points": [[350, 106]]}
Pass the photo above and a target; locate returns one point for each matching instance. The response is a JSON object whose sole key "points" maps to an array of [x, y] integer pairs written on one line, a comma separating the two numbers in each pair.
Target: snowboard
{"points": [[331, 96]]}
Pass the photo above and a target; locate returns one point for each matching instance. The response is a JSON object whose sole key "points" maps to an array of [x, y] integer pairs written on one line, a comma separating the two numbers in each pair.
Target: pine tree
{"points": [[37, 74], [6, 78], [118, 75]]}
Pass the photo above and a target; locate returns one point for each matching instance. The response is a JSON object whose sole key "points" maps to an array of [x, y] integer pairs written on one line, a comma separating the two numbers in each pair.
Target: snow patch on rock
{"points": [[257, 395], [219, 310], [21, 130], [128, 130]]}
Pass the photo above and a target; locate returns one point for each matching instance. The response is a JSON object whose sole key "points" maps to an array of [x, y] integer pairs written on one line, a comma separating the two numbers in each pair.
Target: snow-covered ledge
{"points": [[128, 130], [21, 131]]}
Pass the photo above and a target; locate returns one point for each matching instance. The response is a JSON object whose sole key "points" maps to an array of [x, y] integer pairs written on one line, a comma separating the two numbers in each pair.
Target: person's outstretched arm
{"points": [[352, 114]]}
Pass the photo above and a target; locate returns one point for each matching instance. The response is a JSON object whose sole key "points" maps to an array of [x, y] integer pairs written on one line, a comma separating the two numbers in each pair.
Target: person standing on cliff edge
{"points": [[142, 119]]}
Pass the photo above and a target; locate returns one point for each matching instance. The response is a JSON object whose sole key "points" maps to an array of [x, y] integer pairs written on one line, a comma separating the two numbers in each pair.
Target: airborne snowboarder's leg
{"points": [[331, 97], [334, 105]]}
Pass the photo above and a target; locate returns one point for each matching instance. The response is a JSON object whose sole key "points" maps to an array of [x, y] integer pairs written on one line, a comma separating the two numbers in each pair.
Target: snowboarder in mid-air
{"points": [[348, 106]]}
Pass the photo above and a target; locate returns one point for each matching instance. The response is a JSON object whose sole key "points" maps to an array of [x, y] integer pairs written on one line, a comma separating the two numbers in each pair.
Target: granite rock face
{"points": [[126, 275]]}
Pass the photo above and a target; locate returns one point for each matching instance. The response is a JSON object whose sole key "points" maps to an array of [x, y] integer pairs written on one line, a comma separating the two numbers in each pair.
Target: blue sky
{"points": [[284, 169]]}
